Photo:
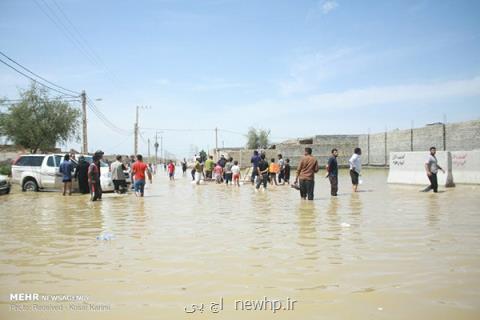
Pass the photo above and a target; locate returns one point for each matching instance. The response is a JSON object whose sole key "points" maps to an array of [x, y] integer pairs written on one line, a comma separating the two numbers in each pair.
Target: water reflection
{"points": [[433, 209]]}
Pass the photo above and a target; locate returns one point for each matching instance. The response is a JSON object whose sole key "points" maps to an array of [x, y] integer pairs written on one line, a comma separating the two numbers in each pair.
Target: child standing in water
{"points": [[228, 170], [236, 173], [274, 168], [218, 173], [171, 170]]}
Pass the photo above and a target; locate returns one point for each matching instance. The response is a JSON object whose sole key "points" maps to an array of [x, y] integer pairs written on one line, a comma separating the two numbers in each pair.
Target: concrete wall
{"points": [[243, 156], [376, 147], [462, 136], [409, 168], [373, 149], [321, 148], [466, 166]]}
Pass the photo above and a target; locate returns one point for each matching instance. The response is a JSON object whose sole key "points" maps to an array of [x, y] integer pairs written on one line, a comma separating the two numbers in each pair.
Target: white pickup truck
{"points": [[34, 172]]}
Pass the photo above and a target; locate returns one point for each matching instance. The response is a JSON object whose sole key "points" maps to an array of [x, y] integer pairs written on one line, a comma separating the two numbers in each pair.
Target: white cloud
{"points": [[387, 96], [384, 95], [322, 7], [310, 69], [328, 6]]}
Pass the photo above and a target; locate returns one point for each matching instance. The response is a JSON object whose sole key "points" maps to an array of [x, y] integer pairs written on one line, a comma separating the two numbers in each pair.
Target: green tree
{"points": [[38, 122], [203, 156], [263, 138], [252, 138], [258, 138]]}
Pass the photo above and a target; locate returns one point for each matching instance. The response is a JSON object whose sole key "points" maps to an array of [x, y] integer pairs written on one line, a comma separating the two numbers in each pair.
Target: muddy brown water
{"points": [[389, 252]]}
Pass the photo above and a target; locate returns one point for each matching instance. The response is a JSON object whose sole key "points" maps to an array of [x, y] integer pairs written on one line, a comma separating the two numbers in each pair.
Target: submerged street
{"points": [[388, 252]]}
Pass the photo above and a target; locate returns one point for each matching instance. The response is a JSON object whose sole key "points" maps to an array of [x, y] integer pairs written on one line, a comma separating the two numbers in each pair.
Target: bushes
{"points": [[5, 169]]}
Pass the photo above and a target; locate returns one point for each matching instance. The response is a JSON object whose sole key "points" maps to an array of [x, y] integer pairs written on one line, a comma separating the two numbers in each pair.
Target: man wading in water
{"points": [[355, 167], [306, 174], [139, 169], [332, 172], [94, 176], [432, 167]]}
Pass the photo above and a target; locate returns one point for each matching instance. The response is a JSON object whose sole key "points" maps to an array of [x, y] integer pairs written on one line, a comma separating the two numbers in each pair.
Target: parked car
{"points": [[34, 172], [105, 174], [128, 176], [4, 184]]}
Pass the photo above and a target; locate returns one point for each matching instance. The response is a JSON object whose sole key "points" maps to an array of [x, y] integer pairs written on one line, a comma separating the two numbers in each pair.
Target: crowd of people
{"points": [[88, 174], [273, 171], [264, 172]]}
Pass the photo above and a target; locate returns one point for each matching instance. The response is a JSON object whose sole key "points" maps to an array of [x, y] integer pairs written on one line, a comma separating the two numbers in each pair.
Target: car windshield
{"points": [[89, 159], [58, 160]]}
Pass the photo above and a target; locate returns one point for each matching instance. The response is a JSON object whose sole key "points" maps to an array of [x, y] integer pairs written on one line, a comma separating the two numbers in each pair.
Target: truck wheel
{"points": [[30, 185]]}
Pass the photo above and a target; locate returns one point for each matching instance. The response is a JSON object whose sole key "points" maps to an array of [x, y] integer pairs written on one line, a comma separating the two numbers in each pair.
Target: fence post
{"points": [[444, 132], [386, 147], [368, 147], [411, 137]]}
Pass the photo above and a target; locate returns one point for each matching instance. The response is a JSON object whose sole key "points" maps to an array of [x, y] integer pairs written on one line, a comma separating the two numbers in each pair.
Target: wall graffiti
{"points": [[459, 160]]}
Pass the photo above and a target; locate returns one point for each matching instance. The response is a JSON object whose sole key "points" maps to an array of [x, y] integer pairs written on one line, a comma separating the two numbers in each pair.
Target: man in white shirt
{"points": [[432, 167], [355, 167], [118, 176]]}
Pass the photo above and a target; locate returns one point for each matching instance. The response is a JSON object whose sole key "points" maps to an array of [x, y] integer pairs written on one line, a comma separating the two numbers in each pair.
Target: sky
{"points": [[297, 68]]}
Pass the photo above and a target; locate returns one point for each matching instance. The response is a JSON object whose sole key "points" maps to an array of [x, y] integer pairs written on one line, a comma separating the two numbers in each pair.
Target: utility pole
{"points": [[156, 147], [148, 149], [216, 143], [161, 149], [135, 129], [84, 123]]}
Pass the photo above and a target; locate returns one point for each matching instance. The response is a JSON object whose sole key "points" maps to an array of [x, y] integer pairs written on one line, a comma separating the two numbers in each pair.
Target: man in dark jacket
{"points": [[262, 171], [81, 174], [94, 176], [332, 172]]}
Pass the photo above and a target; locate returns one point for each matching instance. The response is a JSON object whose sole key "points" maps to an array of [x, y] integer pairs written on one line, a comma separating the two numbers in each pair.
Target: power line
{"points": [[143, 138], [62, 28], [74, 36], [90, 104], [38, 76], [234, 132], [121, 143], [104, 119], [11, 100], [187, 130], [75, 30], [35, 80], [85, 42]]}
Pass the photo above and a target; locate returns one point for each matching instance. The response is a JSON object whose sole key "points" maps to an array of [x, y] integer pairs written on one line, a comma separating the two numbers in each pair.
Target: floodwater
{"points": [[389, 252]]}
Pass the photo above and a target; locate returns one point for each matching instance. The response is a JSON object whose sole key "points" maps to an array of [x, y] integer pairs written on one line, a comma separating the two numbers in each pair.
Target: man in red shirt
{"points": [[138, 169]]}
